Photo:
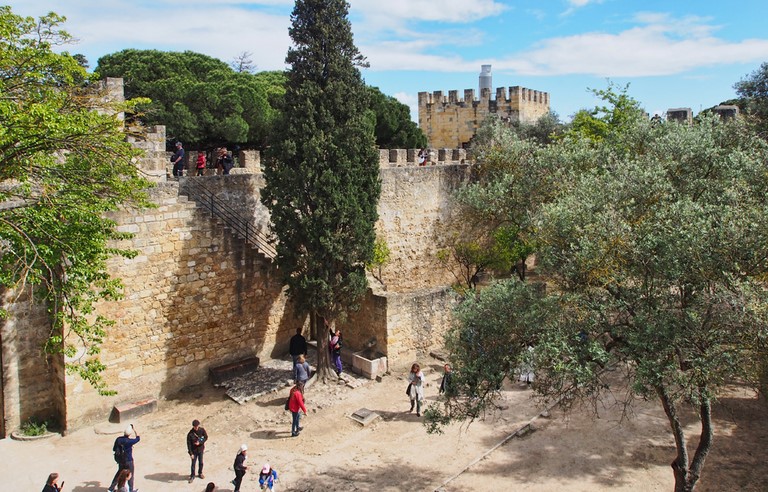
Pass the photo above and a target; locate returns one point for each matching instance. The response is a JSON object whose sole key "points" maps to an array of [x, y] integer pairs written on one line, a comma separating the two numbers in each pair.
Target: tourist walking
{"points": [[416, 388], [123, 451], [296, 406], [301, 371], [240, 467], [267, 478], [178, 160], [200, 163], [51, 485], [196, 439], [298, 345], [446, 385], [335, 347]]}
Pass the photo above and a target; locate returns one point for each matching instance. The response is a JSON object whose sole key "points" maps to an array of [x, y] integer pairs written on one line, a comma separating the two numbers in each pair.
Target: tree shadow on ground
{"points": [[401, 476]]}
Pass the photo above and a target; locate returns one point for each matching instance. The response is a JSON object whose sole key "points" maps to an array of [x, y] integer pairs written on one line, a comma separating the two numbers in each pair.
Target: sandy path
{"points": [[395, 453]]}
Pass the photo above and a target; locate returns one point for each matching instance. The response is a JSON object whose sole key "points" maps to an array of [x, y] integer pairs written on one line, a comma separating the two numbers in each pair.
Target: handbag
{"points": [[286, 402], [408, 389]]}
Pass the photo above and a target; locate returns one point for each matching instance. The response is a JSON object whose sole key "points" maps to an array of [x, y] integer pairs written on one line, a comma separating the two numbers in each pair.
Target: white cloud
{"points": [[399, 11], [660, 45]]}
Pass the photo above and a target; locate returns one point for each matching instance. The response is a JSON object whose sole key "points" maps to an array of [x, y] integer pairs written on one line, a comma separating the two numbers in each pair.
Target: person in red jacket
{"points": [[296, 405]]}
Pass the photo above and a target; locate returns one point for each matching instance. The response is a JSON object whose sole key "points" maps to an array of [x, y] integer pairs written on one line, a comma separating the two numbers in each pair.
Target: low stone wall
{"points": [[406, 326]]}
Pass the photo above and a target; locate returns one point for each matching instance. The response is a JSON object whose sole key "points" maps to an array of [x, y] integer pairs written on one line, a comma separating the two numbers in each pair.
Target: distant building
{"points": [[452, 122]]}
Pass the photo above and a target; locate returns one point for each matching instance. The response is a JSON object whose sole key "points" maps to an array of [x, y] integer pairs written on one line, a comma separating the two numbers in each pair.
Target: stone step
{"points": [[124, 412]]}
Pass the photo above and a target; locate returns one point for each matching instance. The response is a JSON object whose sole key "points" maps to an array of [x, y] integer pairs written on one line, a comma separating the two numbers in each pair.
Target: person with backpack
{"points": [[123, 451], [196, 438]]}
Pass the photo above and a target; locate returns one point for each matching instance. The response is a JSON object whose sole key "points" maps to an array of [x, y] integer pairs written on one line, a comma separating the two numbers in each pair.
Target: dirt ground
{"points": [[395, 453]]}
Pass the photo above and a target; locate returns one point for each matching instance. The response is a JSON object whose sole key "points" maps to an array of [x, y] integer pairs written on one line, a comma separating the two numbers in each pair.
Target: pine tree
{"points": [[322, 171]]}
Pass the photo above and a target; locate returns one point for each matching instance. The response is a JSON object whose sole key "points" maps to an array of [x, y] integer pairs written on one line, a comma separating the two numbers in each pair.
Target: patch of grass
{"points": [[34, 428]]}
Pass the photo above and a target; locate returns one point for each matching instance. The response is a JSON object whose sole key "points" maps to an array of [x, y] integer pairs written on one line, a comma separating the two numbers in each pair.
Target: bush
{"points": [[33, 428]]}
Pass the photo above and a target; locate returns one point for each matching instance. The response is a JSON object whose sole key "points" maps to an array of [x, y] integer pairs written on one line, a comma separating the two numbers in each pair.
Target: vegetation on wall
{"points": [[63, 165]]}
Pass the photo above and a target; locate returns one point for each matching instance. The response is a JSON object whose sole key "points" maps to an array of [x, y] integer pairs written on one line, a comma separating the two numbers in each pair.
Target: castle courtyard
{"points": [[394, 453]]}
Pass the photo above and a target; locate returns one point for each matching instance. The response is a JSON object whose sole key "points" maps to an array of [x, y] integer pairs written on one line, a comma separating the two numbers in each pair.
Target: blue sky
{"points": [[672, 53]]}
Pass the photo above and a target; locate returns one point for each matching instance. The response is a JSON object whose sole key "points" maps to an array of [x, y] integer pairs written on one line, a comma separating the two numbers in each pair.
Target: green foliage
{"points": [[322, 170], [33, 428], [381, 255], [63, 165], [393, 125], [487, 343], [619, 112], [656, 244], [200, 99], [753, 93]]}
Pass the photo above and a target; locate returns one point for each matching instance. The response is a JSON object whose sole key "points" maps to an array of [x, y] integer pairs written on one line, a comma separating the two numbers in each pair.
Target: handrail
{"points": [[219, 209]]}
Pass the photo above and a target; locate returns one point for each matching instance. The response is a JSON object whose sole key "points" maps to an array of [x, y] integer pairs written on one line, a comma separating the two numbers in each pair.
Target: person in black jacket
{"points": [[51, 485], [196, 438], [298, 345], [240, 467]]}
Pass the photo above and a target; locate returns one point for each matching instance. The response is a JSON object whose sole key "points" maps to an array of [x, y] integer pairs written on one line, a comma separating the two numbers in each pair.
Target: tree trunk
{"points": [[320, 330], [687, 476], [680, 464]]}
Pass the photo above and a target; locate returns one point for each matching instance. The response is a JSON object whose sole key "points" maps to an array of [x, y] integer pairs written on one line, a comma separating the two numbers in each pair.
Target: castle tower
{"points": [[486, 78], [451, 122]]}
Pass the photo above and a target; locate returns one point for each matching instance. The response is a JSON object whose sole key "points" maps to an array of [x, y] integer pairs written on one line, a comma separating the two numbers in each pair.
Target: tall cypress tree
{"points": [[322, 171]]}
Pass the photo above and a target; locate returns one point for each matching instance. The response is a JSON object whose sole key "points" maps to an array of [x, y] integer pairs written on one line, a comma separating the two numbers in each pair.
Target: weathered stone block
{"points": [[130, 410]]}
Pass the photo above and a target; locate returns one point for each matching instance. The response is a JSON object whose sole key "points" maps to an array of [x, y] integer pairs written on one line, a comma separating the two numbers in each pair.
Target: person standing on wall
{"points": [[227, 162], [200, 163], [178, 160], [123, 450], [196, 439]]}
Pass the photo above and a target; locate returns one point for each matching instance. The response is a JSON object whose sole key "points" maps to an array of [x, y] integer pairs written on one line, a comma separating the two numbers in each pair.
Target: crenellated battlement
{"points": [[451, 122], [517, 95], [410, 157]]}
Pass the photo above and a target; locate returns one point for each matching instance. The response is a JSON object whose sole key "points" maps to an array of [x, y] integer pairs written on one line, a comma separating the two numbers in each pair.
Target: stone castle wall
{"points": [[195, 297], [30, 378], [452, 122]]}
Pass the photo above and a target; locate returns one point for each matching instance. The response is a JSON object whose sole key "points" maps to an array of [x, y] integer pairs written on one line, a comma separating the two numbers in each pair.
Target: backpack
{"points": [[119, 450]]}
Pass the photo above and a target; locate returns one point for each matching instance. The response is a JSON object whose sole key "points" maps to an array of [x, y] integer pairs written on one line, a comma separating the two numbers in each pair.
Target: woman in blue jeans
{"points": [[296, 405]]}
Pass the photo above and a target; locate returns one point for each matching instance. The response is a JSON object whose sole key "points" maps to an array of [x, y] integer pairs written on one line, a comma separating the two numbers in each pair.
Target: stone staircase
{"points": [[239, 225]]}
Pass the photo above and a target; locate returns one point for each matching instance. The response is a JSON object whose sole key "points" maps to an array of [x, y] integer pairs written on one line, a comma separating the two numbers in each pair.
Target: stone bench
{"points": [[124, 412], [221, 373]]}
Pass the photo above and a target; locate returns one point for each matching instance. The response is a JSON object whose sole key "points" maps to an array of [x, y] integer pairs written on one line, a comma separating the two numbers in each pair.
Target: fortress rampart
{"points": [[197, 296], [451, 122]]}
